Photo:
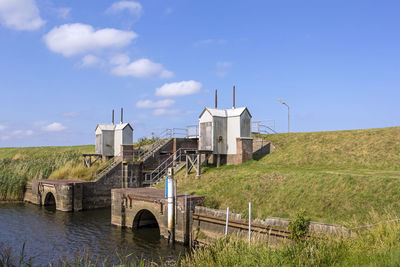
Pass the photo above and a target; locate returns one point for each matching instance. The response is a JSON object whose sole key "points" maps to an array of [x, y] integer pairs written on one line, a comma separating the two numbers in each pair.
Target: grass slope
{"points": [[18, 165], [376, 246], [337, 177]]}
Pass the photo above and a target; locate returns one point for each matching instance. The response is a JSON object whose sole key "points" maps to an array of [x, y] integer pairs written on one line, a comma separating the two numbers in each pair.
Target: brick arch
{"points": [[145, 217], [45, 195], [49, 199]]}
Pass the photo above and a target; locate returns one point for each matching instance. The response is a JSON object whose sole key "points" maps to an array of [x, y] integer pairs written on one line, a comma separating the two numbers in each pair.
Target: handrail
{"points": [[265, 126], [105, 165], [165, 134], [192, 130], [144, 155], [161, 168], [266, 131]]}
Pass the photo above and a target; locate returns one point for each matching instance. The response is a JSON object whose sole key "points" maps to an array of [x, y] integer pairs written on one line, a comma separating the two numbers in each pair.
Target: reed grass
{"points": [[19, 165]]}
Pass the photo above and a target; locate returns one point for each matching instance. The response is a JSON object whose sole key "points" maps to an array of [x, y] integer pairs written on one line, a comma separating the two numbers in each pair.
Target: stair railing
{"points": [[163, 138], [266, 127], [99, 171], [154, 175]]}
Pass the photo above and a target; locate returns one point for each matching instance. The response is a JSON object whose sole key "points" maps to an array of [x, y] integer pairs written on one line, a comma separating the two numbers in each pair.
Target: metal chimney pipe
{"points": [[122, 115], [234, 105], [112, 116], [216, 98]]}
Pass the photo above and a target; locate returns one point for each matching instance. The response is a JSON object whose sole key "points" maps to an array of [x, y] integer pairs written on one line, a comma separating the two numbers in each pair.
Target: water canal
{"points": [[50, 234]]}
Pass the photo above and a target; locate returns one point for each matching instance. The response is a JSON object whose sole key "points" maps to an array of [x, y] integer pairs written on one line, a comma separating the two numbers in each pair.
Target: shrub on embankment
{"points": [[336, 177], [18, 165]]}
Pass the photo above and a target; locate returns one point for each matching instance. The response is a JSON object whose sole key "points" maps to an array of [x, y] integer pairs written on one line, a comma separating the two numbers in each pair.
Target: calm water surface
{"points": [[49, 234]]}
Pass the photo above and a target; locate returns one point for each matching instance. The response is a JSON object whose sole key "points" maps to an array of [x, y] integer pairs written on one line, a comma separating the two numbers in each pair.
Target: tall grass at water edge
{"points": [[19, 165], [375, 246]]}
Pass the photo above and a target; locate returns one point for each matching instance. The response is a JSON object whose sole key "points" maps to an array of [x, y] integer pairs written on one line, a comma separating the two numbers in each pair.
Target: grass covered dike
{"points": [[350, 178], [336, 177], [376, 246]]}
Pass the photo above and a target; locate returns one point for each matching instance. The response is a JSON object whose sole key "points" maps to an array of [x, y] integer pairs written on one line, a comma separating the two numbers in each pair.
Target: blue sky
{"points": [[64, 65]]}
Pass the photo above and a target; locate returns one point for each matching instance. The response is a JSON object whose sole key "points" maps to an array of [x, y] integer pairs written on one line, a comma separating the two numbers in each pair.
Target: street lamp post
{"points": [[288, 115]]}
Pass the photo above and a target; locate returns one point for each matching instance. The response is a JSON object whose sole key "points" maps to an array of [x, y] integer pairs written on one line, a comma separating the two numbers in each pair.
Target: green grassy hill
{"points": [[18, 165], [337, 177]]}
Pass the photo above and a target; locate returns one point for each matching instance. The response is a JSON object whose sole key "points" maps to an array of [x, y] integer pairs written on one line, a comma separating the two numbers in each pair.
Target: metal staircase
{"points": [[176, 160], [106, 167], [144, 155]]}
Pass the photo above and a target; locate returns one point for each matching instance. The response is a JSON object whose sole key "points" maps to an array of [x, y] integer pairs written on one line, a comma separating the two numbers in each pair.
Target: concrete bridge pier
{"points": [[140, 207], [64, 195]]}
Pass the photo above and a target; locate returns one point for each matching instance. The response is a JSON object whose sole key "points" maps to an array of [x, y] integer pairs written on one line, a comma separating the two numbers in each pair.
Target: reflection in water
{"points": [[51, 234]]}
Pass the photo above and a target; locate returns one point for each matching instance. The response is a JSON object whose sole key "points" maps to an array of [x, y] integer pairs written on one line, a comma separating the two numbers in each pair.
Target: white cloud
{"points": [[18, 134], [120, 59], [77, 38], [91, 61], [155, 104], [142, 68], [54, 127], [222, 68], [20, 15], [132, 7], [179, 89], [163, 111], [2, 127]]}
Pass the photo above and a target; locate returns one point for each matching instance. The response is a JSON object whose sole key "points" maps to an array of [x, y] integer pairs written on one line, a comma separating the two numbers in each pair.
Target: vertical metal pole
{"points": [[227, 221], [249, 222], [216, 98], [175, 202], [234, 100], [171, 226], [113, 117], [166, 187]]}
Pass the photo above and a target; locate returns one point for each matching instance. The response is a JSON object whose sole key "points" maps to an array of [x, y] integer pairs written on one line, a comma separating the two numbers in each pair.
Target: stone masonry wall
{"points": [[244, 148], [98, 194]]}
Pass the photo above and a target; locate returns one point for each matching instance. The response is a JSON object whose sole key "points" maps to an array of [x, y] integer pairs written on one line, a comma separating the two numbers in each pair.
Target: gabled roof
{"points": [[122, 126], [225, 112], [112, 127]]}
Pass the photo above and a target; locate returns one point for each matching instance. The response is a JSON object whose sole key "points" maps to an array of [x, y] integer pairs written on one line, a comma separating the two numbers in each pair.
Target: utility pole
{"points": [[288, 115]]}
